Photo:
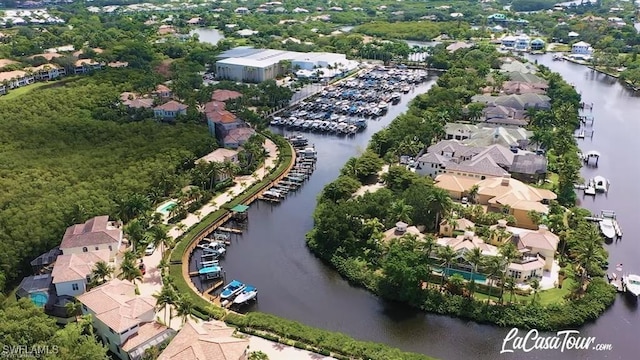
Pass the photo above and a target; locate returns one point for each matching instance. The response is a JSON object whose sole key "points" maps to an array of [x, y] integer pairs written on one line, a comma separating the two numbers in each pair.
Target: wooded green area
{"points": [[61, 166]]}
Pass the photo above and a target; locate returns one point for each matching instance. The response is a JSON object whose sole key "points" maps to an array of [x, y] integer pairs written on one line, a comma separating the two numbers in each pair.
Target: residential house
{"points": [[7, 62], [84, 66], [483, 135], [526, 77], [72, 273], [35, 288], [497, 17], [401, 229], [508, 42], [516, 101], [501, 194], [44, 262], [223, 95], [162, 91], [242, 11], [522, 43], [221, 156], [459, 45], [195, 21], [124, 321], [47, 72], [581, 48], [521, 87], [529, 167], [446, 228], [476, 162], [118, 64], [237, 137], [170, 110], [222, 120], [96, 234], [537, 45], [510, 65], [209, 340], [166, 30], [80, 53], [14, 79], [47, 56], [539, 243], [504, 116]]}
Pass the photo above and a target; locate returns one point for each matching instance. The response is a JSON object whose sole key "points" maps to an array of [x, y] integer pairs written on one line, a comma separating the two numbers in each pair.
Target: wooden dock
{"points": [[208, 292], [230, 230], [271, 200]]}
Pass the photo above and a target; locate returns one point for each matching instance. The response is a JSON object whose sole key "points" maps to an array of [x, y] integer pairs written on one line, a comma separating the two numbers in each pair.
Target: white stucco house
{"points": [[71, 273], [124, 321], [581, 48], [96, 234]]}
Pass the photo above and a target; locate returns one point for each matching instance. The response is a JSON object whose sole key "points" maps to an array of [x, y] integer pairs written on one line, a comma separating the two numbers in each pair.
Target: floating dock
{"points": [[230, 230]]}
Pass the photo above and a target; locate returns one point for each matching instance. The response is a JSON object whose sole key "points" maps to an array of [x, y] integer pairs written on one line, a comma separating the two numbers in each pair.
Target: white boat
{"points": [[632, 284], [607, 229], [249, 293], [601, 184], [232, 289]]}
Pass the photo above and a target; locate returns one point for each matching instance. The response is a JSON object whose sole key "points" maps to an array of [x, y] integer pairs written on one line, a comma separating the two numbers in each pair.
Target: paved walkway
{"points": [[277, 351], [152, 280]]}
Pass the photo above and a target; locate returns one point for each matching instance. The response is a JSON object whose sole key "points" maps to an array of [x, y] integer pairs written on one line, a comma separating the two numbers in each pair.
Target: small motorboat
{"points": [[631, 284], [249, 293], [211, 272], [607, 228], [232, 289], [601, 184]]}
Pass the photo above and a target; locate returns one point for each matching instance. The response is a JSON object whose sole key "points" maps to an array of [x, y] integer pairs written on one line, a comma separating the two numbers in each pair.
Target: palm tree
{"points": [[401, 211], [494, 268], [474, 257], [440, 203], [446, 255], [230, 169], [535, 286], [74, 308], [184, 308], [135, 232], [509, 252], [473, 192], [102, 272], [166, 298], [427, 248], [510, 285], [129, 271], [157, 235]]}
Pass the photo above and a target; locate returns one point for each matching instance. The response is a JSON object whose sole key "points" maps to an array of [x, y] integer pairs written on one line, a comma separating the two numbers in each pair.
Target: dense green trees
{"points": [[25, 325], [57, 158]]}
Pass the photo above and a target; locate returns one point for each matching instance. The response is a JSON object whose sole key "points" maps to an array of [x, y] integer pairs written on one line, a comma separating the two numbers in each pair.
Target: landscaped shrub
{"points": [[300, 345]]}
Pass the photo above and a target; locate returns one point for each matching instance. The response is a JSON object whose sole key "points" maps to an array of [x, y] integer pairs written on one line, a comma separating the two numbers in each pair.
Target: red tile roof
{"points": [[224, 95], [172, 106], [211, 340], [239, 135], [93, 232], [221, 116]]}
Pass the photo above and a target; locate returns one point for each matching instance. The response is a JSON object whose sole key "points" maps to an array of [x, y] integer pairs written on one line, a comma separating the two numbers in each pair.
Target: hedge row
{"points": [[337, 343]]}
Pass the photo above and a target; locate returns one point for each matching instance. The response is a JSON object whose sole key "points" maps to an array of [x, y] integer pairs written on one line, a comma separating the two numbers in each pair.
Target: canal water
{"points": [[271, 254]]}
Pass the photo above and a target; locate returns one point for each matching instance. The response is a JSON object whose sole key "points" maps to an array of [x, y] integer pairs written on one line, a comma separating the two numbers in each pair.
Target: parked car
{"points": [[464, 201], [149, 249]]}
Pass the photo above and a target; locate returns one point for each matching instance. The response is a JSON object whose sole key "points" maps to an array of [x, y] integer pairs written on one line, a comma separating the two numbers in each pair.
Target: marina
{"points": [[306, 157], [345, 107]]}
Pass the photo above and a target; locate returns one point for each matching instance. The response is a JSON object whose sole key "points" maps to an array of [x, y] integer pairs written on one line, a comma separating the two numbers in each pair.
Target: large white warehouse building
{"points": [[248, 64]]}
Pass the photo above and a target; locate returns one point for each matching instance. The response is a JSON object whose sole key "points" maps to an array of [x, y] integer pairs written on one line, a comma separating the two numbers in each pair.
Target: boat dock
{"points": [[209, 291], [230, 230], [616, 282], [611, 217]]}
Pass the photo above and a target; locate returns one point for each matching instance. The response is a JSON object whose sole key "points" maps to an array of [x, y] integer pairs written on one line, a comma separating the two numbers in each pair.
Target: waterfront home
{"points": [[401, 229], [508, 42], [46, 72], [497, 17], [446, 227], [223, 95], [581, 48], [516, 101], [511, 65], [522, 43], [95, 234], [170, 110], [209, 340], [72, 273], [499, 115], [124, 321], [237, 137], [526, 77], [466, 242], [221, 156], [540, 242], [521, 87], [484, 135], [500, 194], [537, 45]]}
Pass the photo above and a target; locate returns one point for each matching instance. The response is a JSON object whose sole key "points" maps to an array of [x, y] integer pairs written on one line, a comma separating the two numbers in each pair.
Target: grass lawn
{"points": [[550, 183], [23, 90], [545, 297]]}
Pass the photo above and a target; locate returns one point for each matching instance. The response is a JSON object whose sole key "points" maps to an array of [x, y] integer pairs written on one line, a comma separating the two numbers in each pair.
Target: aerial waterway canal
{"points": [[271, 254]]}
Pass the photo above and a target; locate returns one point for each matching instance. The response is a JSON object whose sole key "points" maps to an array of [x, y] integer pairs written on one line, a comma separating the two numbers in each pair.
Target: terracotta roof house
{"points": [[211, 340], [14, 79], [81, 52], [170, 110], [511, 65], [462, 244], [483, 135], [504, 116], [519, 102], [84, 66], [237, 137], [46, 72], [401, 229], [124, 321], [459, 45], [525, 77], [220, 121], [96, 234], [166, 30], [6, 62], [221, 155], [118, 64], [521, 87], [162, 91], [447, 229], [134, 101], [224, 95], [71, 273]]}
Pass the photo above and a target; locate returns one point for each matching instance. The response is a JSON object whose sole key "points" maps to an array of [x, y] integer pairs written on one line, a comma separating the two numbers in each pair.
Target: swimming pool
{"points": [[165, 208]]}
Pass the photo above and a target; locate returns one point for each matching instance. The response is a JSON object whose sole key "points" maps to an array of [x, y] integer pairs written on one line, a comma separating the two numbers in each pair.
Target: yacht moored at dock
{"points": [[631, 283], [601, 184], [248, 294]]}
